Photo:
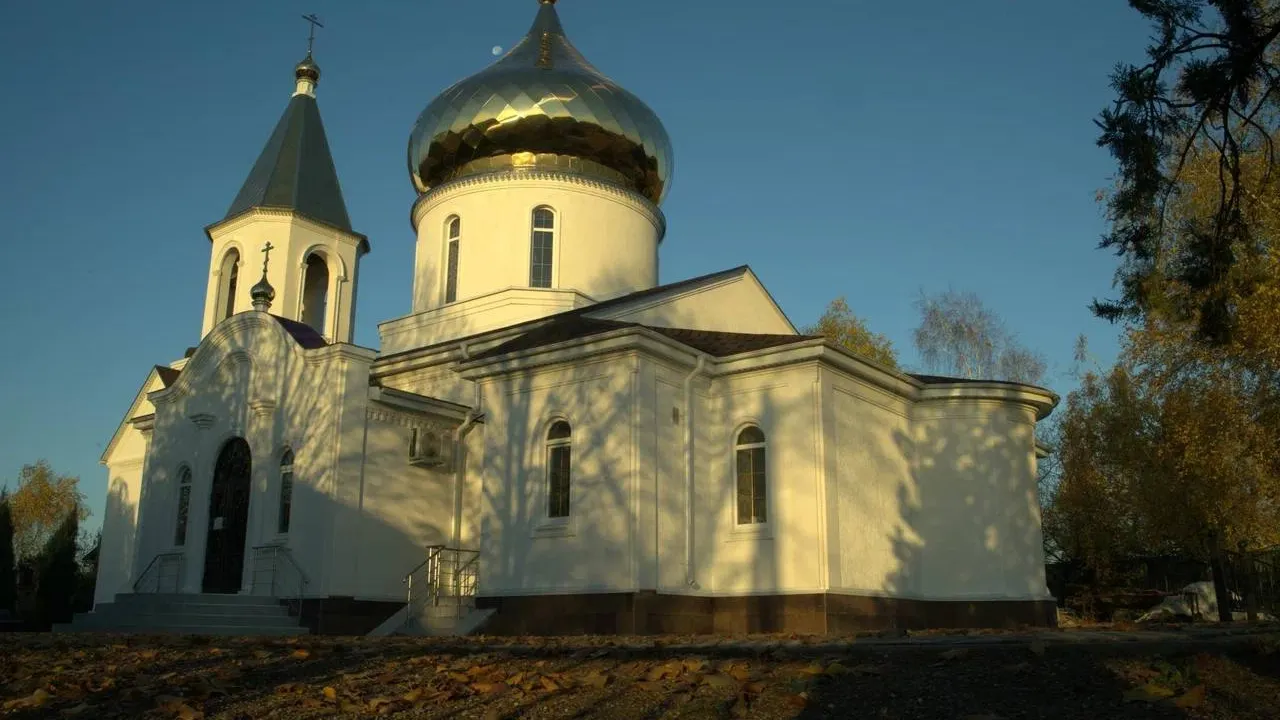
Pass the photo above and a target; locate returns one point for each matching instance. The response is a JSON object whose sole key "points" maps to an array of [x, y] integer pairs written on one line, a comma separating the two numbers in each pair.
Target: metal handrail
{"points": [[284, 550], [463, 575], [433, 554], [147, 570]]}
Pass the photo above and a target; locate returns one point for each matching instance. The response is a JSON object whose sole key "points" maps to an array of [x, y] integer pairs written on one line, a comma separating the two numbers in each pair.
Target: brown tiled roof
{"points": [[577, 327], [168, 375], [306, 335], [653, 291], [568, 327], [947, 380], [724, 344]]}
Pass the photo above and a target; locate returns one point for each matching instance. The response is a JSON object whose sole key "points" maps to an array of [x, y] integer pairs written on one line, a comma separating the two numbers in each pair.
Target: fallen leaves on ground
{"points": [[85, 676]]}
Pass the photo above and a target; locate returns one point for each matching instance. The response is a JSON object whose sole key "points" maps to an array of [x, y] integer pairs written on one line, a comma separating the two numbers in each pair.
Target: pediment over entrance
{"points": [[432, 424]]}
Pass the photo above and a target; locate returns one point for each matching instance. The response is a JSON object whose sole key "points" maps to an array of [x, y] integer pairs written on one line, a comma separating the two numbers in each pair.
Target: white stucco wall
{"points": [[491, 311], [606, 240], [974, 510], [867, 432], [735, 304], [125, 460], [877, 485], [293, 239], [399, 510], [777, 556], [932, 499], [522, 551], [628, 526]]}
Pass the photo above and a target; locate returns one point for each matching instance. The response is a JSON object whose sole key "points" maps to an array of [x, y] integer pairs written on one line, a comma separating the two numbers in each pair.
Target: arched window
{"points": [[315, 292], [184, 506], [750, 468], [559, 465], [454, 230], [544, 243], [286, 492], [228, 276]]}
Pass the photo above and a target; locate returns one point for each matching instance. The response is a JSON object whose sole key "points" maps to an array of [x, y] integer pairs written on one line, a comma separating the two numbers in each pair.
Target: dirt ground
{"points": [[1044, 675]]}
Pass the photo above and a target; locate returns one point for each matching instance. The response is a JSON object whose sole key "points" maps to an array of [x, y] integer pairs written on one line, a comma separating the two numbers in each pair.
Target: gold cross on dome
{"points": [[266, 255], [315, 23]]}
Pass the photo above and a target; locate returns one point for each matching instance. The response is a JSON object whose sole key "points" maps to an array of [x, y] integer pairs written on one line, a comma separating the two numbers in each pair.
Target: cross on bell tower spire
{"points": [[315, 23], [262, 294], [307, 73]]}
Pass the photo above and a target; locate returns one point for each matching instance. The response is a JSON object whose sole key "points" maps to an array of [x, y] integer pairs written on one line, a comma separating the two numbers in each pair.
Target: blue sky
{"points": [[839, 147]]}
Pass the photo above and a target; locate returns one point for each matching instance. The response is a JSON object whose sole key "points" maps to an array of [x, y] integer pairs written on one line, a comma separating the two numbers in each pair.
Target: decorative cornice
{"points": [[167, 396], [262, 408], [204, 421], [406, 420], [628, 197], [131, 464], [257, 214], [144, 423]]}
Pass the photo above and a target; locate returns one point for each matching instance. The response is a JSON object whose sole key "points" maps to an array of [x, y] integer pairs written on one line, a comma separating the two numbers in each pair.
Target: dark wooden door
{"points": [[228, 519]]}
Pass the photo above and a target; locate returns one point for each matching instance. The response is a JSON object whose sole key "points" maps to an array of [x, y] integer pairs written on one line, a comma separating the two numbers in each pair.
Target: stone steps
{"points": [[188, 615], [444, 620]]}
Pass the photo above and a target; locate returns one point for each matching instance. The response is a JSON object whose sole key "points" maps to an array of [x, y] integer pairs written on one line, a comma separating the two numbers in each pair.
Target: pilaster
{"points": [[261, 438]]}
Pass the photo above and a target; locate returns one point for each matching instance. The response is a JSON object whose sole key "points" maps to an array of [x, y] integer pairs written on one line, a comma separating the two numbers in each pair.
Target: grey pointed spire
{"points": [[295, 170]]}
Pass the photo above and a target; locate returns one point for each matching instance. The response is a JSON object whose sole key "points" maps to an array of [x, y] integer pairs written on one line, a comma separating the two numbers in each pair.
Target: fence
{"points": [[1140, 583], [1253, 580]]}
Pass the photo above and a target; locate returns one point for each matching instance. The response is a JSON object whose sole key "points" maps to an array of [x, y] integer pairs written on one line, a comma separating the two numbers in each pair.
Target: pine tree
{"points": [[1208, 89], [8, 566], [59, 572]]}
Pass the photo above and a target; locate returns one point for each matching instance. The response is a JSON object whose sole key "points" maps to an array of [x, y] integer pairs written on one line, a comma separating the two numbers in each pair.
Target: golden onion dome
{"points": [[542, 106], [307, 69]]}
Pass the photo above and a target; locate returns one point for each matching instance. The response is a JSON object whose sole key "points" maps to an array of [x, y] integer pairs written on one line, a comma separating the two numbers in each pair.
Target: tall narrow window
{"points": [[315, 292], [559, 463], [286, 492], [184, 506], [454, 228], [544, 243], [229, 275], [750, 466]]}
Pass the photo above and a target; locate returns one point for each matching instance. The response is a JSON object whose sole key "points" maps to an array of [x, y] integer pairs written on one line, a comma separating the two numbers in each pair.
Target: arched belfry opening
{"points": [[228, 518], [315, 292], [228, 276]]}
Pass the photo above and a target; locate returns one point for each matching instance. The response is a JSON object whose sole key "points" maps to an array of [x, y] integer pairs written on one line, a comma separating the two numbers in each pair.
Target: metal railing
{"points": [[268, 561], [163, 574], [447, 576]]}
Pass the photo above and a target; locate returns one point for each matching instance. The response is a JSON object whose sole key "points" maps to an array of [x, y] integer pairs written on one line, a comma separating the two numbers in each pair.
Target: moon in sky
{"points": [[497, 50]]}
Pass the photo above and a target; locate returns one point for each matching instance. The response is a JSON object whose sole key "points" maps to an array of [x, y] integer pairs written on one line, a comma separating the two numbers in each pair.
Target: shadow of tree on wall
{"points": [[253, 381], [119, 521], [969, 521], [628, 498]]}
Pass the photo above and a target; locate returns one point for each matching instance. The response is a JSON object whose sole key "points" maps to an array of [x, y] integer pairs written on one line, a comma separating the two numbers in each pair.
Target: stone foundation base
{"points": [[342, 615], [650, 613]]}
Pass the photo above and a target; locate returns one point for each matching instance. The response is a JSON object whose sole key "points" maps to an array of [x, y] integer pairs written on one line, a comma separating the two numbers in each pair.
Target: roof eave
{"points": [[361, 239]]}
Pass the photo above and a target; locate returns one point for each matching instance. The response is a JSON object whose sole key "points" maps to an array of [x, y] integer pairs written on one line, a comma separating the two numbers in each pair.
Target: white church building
{"points": [[551, 438]]}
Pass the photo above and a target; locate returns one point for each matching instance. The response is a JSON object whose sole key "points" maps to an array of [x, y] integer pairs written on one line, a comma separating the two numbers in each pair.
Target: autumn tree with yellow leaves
{"points": [[1176, 448], [39, 504], [839, 325]]}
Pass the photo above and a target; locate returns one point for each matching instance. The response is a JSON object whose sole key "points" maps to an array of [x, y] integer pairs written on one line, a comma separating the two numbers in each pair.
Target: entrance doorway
{"points": [[228, 519]]}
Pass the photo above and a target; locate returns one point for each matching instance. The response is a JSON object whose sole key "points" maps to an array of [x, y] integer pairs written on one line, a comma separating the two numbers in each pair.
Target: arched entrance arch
{"points": [[228, 518]]}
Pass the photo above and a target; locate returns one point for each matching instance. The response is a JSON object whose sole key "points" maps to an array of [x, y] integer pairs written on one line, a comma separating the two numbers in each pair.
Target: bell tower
{"points": [[293, 201]]}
